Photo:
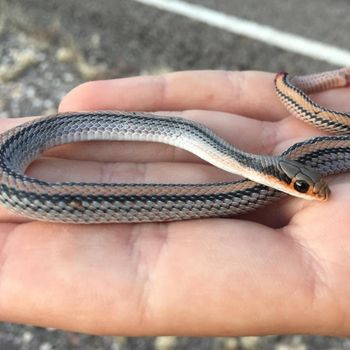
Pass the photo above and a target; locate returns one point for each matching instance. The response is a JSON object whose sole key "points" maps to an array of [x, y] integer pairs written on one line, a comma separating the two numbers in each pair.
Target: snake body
{"points": [[298, 171]]}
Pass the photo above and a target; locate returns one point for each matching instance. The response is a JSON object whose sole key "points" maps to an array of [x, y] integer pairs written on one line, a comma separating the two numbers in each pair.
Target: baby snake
{"points": [[298, 171]]}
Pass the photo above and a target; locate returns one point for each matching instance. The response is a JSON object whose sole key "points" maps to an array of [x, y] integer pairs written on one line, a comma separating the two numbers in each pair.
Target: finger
{"points": [[62, 170], [246, 93], [125, 279]]}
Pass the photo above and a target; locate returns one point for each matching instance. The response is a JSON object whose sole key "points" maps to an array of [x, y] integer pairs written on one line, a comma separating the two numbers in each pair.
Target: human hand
{"points": [[279, 270]]}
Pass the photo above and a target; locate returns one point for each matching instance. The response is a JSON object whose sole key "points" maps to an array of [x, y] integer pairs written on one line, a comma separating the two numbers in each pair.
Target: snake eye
{"points": [[301, 186]]}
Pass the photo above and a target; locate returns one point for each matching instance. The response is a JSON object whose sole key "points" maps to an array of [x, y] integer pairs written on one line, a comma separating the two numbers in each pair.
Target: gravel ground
{"points": [[47, 47]]}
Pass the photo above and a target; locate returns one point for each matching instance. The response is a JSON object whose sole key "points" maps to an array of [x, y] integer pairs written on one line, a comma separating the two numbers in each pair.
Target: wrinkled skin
{"points": [[283, 269]]}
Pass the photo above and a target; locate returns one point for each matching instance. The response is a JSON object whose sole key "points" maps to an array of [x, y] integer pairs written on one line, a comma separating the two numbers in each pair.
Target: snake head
{"points": [[304, 182]]}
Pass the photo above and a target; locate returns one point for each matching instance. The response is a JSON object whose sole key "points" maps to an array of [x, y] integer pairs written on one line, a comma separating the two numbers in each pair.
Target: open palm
{"points": [[279, 270]]}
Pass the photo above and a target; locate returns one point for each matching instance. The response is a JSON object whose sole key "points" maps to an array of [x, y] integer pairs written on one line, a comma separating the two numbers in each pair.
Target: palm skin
{"points": [[283, 269]]}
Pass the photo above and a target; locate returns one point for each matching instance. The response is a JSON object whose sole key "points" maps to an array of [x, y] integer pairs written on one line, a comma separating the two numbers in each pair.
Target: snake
{"points": [[299, 171]]}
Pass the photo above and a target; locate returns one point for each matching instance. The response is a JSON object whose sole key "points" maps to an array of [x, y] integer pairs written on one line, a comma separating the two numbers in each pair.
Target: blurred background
{"points": [[48, 46]]}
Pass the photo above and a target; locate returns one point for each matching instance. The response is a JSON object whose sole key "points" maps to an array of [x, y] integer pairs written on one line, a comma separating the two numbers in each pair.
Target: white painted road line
{"points": [[269, 35]]}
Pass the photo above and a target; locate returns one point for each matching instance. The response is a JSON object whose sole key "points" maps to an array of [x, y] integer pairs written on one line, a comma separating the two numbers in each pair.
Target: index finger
{"points": [[246, 93]]}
